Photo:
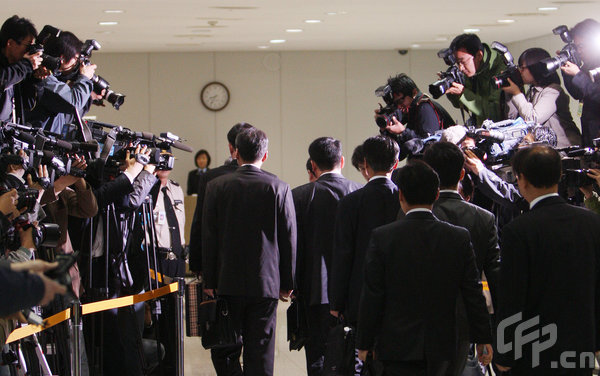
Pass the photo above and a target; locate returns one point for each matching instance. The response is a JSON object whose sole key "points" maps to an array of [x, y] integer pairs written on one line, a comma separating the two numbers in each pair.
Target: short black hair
{"points": [[358, 156], [532, 59], [588, 28], [251, 144], [233, 132], [66, 45], [326, 152], [381, 153], [199, 153], [470, 42], [402, 84], [418, 183], [17, 29], [447, 160], [539, 164]]}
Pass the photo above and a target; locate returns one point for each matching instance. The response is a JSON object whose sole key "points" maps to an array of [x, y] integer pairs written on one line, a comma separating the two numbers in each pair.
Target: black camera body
{"points": [[512, 71], [384, 117], [447, 78], [50, 62], [568, 52]]}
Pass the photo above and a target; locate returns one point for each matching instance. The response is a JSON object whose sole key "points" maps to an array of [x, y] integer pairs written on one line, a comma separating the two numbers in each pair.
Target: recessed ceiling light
{"points": [[415, 45], [263, 47], [275, 41], [471, 30], [506, 21], [547, 9], [113, 11], [331, 13], [108, 23], [294, 30], [312, 21]]}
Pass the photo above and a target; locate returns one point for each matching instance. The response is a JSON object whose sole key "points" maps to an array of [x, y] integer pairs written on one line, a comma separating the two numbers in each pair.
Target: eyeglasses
{"points": [[464, 61]]}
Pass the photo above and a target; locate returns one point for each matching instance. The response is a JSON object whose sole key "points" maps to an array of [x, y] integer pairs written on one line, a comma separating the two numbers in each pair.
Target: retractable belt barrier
{"points": [[89, 308]]}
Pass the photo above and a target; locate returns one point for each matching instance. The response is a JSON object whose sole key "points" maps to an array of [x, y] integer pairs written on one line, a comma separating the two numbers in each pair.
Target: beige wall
{"points": [[294, 97]]}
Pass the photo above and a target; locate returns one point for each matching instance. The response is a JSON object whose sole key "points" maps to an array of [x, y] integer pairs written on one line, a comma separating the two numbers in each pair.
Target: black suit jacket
{"points": [[550, 268], [451, 208], [316, 205], [374, 205], [193, 180], [248, 234], [414, 270], [195, 242]]}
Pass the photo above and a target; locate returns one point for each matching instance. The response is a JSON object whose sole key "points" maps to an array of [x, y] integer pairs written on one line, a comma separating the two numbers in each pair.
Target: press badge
{"points": [[162, 218]]}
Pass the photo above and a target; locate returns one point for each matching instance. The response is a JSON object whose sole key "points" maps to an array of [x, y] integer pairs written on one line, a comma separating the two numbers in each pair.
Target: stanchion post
{"points": [[179, 307], [76, 330]]}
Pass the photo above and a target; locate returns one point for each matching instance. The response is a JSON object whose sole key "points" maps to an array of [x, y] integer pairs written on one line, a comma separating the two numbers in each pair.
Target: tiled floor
{"points": [[198, 363]]}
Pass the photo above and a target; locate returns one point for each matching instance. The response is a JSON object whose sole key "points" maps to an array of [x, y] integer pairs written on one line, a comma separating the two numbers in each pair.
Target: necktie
{"points": [[173, 224]]}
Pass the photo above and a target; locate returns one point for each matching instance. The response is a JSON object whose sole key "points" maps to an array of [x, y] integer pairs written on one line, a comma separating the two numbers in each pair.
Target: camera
{"points": [[386, 113], [50, 62], [447, 78], [568, 52], [44, 235], [512, 71]]}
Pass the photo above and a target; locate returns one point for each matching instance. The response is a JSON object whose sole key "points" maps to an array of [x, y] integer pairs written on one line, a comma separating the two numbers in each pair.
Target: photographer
{"points": [[16, 64], [421, 114], [592, 200], [578, 81], [478, 95], [66, 92], [545, 102]]}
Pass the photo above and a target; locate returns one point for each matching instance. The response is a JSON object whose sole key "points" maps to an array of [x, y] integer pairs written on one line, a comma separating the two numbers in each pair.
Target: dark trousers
{"points": [[320, 323], [415, 368], [123, 351], [255, 318]]}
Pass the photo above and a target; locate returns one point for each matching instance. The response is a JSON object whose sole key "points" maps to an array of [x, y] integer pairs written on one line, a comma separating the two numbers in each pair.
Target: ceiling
{"points": [[244, 25]]}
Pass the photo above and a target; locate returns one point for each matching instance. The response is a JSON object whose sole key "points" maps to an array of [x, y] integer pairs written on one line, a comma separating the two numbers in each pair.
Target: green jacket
{"points": [[480, 96]]}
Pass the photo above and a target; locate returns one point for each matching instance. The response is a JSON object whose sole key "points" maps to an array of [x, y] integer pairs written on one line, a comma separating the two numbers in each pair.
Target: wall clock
{"points": [[214, 96]]}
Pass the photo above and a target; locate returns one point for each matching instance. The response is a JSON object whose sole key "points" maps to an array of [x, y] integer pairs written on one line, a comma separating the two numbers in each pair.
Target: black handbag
{"points": [[297, 325], [217, 325], [340, 353]]}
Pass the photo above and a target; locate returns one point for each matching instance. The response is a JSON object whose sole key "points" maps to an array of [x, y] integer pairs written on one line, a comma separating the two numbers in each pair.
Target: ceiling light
{"points": [[113, 11], [506, 21], [275, 41], [108, 23], [294, 30], [331, 13], [263, 47], [312, 21], [471, 30], [415, 45], [547, 9]]}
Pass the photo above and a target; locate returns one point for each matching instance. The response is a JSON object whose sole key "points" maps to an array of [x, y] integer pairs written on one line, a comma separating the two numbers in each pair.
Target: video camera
{"points": [[384, 117], [447, 78], [512, 71], [568, 52], [577, 164]]}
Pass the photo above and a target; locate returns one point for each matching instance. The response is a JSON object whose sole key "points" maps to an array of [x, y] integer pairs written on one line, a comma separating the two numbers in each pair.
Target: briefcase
{"points": [[297, 333], [340, 353], [193, 298], [217, 325]]}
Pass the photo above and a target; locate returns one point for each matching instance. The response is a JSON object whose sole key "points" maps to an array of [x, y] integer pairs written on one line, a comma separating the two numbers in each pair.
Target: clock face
{"points": [[214, 96]]}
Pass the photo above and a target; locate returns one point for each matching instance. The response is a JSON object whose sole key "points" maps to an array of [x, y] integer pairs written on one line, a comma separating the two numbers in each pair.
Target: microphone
{"points": [[490, 134], [86, 146], [24, 137], [182, 146]]}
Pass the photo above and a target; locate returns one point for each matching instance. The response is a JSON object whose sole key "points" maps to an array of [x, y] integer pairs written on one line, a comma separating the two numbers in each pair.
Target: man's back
{"points": [[361, 211], [316, 205], [550, 260], [415, 268], [248, 234]]}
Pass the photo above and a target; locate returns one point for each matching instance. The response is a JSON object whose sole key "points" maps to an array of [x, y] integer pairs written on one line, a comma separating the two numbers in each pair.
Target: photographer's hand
{"points": [[8, 204], [41, 73], [472, 163], [51, 288], [456, 89], [594, 174], [570, 69], [88, 70], [133, 166], [511, 89], [33, 266], [395, 127], [35, 59]]}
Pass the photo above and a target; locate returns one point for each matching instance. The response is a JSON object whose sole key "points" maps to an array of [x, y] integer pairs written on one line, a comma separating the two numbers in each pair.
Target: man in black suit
{"points": [[548, 277], [415, 269], [448, 160], [316, 205], [249, 250], [227, 168]]}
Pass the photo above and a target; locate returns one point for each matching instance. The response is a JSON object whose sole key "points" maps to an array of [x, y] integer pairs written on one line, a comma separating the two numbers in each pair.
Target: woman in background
{"points": [[545, 102], [202, 162]]}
